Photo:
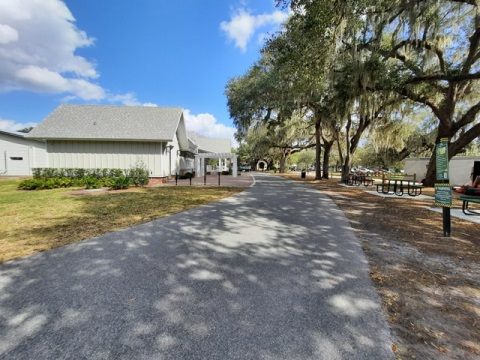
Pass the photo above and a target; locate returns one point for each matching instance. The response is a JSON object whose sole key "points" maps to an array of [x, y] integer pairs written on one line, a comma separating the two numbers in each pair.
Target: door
{"points": [[18, 163]]}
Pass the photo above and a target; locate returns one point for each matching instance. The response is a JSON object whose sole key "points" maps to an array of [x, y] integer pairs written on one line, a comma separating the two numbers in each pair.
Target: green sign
{"points": [[443, 195], [442, 160]]}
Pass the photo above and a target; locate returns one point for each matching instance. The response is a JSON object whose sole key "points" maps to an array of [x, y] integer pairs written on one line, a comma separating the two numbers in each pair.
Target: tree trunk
{"points": [[318, 150], [340, 154], [283, 160], [346, 160], [431, 175], [326, 156]]}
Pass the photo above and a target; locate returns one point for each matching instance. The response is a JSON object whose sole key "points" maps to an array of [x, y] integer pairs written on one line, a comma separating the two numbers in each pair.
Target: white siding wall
{"points": [[108, 154], [32, 154], [460, 168], [175, 157]]}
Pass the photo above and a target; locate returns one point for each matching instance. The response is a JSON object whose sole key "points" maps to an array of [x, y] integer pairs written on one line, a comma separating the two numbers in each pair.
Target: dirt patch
{"points": [[102, 191], [429, 284]]}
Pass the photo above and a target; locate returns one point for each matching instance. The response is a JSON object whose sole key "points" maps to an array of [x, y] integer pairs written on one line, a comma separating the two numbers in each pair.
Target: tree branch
{"points": [[470, 135], [473, 54], [419, 44], [468, 117], [450, 78], [421, 99], [469, 2]]}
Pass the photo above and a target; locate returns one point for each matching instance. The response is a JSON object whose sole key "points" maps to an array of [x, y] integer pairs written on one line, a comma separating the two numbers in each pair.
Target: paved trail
{"points": [[274, 272]]}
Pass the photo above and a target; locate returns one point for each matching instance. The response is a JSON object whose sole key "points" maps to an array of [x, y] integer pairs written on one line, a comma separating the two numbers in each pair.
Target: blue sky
{"points": [[144, 52]]}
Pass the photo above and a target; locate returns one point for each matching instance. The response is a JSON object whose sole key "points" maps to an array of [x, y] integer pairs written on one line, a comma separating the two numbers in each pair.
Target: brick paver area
{"points": [[244, 179]]}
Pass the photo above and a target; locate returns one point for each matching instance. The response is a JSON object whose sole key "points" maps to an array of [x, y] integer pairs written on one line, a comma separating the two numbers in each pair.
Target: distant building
{"points": [[104, 136], [460, 168]]}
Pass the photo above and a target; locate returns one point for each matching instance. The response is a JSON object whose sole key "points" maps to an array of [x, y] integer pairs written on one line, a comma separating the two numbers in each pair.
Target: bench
{"points": [[413, 189], [350, 180], [469, 199], [354, 179], [368, 181], [472, 191], [397, 186]]}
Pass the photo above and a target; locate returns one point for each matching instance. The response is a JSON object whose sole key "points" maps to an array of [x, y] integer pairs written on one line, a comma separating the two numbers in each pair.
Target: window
{"points": [[16, 158]]}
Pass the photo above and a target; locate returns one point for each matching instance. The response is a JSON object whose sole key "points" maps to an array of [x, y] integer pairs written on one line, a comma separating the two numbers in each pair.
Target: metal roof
{"points": [[109, 122], [210, 145], [13, 133]]}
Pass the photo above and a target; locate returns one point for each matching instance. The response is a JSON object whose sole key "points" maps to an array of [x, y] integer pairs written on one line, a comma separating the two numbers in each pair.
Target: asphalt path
{"points": [[274, 272]]}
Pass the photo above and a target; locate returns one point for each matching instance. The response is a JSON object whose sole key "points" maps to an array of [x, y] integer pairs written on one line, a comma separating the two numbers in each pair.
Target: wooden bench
{"points": [[470, 199]]}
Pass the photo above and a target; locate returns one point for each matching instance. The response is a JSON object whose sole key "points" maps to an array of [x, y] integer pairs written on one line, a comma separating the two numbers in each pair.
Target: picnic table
{"points": [[466, 201], [397, 186], [358, 179]]}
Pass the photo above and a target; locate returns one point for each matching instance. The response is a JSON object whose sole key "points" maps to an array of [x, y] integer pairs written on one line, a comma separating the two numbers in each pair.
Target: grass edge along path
{"points": [[34, 221]]}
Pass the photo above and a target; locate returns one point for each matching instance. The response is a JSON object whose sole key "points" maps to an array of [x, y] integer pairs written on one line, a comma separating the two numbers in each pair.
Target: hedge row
{"points": [[47, 178], [75, 173]]}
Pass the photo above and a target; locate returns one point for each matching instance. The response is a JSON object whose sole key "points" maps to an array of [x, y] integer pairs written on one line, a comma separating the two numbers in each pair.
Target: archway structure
{"points": [[200, 162], [262, 165]]}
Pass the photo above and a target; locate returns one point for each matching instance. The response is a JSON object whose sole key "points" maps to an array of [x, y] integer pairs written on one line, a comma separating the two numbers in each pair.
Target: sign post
{"points": [[443, 191]]}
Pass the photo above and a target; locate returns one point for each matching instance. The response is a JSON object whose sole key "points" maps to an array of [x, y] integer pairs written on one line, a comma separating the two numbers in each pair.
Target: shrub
{"points": [[107, 181], [113, 173], [49, 178], [49, 173], [64, 182], [121, 182], [70, 173], [92, 182], [79, 173], [30, 184], [138, 174], [43, 183], [37, 173]]}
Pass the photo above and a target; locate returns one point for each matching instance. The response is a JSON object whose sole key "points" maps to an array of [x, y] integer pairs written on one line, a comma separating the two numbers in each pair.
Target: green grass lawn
{"points": [[40, 220]]}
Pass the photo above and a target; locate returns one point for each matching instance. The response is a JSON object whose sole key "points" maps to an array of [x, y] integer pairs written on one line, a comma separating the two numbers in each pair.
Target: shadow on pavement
{"points": [[274, 272]]}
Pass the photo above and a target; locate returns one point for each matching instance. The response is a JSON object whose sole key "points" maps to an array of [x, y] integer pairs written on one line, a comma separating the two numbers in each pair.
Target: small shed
{"points": [[18, 155]]}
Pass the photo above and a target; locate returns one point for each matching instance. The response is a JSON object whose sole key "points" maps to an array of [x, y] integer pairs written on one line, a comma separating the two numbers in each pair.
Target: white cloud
{"points": [[38, 40], [7, 34], [128, 99], [206, 125], [10, 125], [243, 25]]}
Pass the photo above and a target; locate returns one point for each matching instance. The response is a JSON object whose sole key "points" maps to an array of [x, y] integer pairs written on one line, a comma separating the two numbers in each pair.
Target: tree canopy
{"points": [[359, 67]]}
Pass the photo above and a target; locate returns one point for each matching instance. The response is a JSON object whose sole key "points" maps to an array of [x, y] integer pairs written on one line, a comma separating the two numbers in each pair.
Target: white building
{"points": [[18, 155], [102, 136], [460, 168]]}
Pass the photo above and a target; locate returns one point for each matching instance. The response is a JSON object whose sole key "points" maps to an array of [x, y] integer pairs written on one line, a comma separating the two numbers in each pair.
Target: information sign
{"points": [[443, 195], [442, 160]]}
